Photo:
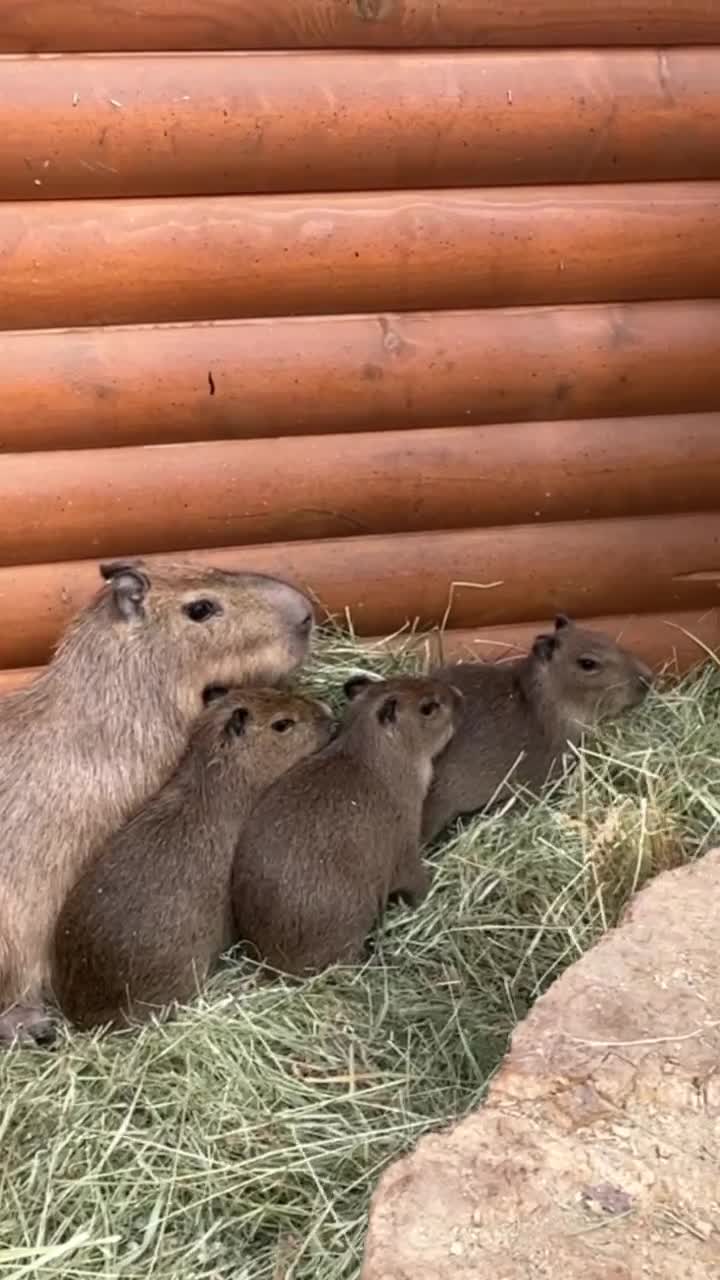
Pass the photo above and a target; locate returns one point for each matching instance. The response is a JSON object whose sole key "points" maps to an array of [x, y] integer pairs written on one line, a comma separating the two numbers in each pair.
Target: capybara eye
{"points": [[429, 707], [588, 664], [200, 610], [282, 726]]}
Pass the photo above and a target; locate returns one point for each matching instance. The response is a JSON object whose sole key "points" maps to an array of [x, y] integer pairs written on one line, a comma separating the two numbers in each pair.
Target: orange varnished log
{"points": [[500, 575], [128, 261], [17, 678], [107, 502], [310, 375], [80, 127], [61, 25], [672, 641]]}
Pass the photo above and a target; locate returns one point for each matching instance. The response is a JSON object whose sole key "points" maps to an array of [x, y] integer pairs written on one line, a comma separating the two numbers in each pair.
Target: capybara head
{"points": [[422, 713], [586, 673], [205, 626], [271, 728]]}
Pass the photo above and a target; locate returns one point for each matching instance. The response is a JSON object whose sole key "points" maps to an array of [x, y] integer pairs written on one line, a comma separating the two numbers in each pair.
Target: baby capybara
{"points": [[519, 717], [149, 918], [104, 726], [336, 836]]}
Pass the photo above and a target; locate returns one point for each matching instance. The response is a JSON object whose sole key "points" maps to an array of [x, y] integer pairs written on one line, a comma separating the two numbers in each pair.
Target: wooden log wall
{"points": [[415, 303]]}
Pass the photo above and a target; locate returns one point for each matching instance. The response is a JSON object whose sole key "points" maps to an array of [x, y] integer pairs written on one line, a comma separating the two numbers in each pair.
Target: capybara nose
{"points": [[294, 605], [300, 611]]}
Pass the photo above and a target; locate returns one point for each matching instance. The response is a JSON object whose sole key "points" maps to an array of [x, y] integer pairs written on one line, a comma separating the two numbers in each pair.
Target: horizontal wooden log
{"points": [[107, 502], [17, 678], [674, 642], [127, 261], [466, 577], [308, 376], [215, 124], [87, 25]]}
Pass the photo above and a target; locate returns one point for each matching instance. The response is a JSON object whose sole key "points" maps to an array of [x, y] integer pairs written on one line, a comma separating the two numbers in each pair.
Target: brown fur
{"points": [[520, 716], [151, 915], [334, 838], [103, 727]]}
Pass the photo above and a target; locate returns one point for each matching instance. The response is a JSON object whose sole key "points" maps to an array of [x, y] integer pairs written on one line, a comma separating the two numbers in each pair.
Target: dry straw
{"points": [[241, 1141]]}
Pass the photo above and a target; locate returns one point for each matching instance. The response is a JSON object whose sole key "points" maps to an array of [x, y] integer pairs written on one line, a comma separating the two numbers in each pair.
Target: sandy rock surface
{"points": [[597, 1154]]}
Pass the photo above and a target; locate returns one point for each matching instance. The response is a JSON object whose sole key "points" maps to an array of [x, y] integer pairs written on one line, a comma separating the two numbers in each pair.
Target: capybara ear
{"points": [[237, 722], [562, 621], [544, 647], [110, 569], [357, 685], [387, 711], [129, 586], [212, 692]]}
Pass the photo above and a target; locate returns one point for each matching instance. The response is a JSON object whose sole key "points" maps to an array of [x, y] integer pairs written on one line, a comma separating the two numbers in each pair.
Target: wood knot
{"points": [[374, 10]]}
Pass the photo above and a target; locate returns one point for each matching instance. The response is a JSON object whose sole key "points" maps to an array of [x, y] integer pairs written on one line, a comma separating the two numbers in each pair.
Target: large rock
{"points": [[597, 1153]]}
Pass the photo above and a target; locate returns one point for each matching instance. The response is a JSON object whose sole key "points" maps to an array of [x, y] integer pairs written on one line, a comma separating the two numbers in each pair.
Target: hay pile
{"points": [[241, 1141]]}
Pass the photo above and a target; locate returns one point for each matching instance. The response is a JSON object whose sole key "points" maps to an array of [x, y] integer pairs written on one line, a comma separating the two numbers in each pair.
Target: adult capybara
{"points": [[336, 836], [105, 724], [519, 717], [150, 916]]}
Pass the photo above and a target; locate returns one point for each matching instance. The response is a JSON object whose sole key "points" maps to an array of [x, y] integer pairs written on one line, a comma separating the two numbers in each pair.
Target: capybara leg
{"points": [[25, 1026], [412, 882]]}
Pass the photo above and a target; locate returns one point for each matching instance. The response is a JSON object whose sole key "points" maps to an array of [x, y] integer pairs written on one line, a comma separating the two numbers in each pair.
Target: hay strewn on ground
{"points": [[242, 1140]]}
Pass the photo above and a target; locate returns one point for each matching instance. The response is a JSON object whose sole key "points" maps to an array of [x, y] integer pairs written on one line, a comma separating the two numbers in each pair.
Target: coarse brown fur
{"points": [[150, 916], [519, 717], [85, 744], [337, 835]]}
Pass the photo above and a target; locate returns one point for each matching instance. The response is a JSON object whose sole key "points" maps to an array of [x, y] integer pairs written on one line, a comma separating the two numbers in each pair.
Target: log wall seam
{"points": [[88, 25]]}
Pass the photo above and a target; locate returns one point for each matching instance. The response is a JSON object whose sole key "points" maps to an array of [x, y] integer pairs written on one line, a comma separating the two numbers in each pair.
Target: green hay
{"points": [[243, 1139]]}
